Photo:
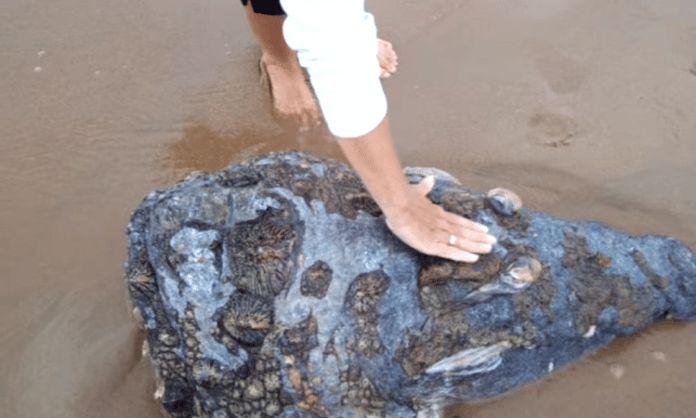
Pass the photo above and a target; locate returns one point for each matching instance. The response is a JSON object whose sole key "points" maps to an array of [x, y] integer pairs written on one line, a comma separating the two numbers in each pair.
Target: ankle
{"points": [[289, 63]]}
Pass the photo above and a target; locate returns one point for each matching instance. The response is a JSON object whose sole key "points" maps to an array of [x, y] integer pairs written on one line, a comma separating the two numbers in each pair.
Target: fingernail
{"points": [[492, 240]]}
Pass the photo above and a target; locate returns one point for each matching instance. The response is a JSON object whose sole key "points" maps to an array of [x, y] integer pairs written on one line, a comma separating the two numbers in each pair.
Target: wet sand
{"points": [[586, 108]]}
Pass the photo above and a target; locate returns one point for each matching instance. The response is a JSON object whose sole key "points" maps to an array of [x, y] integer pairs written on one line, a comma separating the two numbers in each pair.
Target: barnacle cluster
{"points": [[330, 182], [596, 289], [358, 390], [261, 252], [362, 299], [316, 280], [295, 344], [244, 320]]}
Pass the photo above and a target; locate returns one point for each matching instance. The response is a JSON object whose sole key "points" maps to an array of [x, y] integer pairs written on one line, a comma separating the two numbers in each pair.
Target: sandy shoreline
{"points": [[586, 108]]}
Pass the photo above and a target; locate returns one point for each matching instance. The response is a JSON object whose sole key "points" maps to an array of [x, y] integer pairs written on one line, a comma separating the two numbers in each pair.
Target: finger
{"points": [[473, 247], [454, 253], [425, 186], [462, 222], [466, 230], [474, 236]]}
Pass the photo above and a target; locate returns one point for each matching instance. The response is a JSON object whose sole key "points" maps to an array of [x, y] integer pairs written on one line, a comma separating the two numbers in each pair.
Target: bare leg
{"points": [[291, 94]]}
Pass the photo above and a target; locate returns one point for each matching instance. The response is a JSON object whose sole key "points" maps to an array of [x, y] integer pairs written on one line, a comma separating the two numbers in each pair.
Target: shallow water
{"points": [[586, 108]]}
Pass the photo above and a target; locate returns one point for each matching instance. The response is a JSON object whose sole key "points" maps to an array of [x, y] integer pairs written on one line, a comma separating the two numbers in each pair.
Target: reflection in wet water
{"points": [[201, 148]]}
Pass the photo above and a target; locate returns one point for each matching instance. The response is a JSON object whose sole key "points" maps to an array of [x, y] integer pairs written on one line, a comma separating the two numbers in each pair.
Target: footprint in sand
{"points": [[553, 129], [554, 125]]}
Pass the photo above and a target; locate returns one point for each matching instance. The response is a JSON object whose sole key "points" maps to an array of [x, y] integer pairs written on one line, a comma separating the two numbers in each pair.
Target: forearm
{"points": [[374, 157]]}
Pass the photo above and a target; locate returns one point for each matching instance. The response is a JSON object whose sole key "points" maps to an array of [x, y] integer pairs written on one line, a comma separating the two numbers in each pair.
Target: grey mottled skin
{"points": [[274, 289]]}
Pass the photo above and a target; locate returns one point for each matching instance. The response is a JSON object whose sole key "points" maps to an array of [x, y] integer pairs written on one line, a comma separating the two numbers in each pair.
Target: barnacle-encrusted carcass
{"points": [[273, 288]]}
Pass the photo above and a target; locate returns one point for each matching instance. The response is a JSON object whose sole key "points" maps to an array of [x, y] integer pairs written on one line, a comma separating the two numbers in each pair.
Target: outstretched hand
{"points": [[430, 229], [410, 215]]}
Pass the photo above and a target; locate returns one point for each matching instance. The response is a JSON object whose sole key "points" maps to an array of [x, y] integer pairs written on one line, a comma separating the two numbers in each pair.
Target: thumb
{"points": [[425, 185]]}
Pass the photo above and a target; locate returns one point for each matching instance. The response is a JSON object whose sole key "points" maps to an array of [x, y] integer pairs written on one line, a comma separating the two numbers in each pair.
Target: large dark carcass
{"points": [[273, 288]]}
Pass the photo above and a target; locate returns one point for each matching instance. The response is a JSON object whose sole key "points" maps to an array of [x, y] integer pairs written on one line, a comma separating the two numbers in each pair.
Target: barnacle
{"points": [[246, 318], [316, 280], [504, 201], [595, 289], [262, 252], [362, 299]]}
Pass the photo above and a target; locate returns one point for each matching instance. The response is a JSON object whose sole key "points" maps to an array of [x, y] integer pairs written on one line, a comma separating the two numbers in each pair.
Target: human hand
{"points": [[430, 229]]}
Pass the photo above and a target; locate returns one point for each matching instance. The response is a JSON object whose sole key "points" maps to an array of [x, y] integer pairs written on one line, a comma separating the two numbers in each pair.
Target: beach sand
{"points": [[586, 108]]}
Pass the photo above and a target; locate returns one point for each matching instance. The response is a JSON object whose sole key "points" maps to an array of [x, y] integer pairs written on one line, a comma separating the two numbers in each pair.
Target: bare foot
{"points": [[290, 92], [387, 58]]}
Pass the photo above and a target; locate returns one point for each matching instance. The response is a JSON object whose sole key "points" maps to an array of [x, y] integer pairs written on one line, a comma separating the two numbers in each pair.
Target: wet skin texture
{"points": [[274, 288]]}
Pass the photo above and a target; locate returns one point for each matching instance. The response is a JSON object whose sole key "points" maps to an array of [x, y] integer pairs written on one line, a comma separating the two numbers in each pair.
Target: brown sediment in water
{"points": [[103, 102]]}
